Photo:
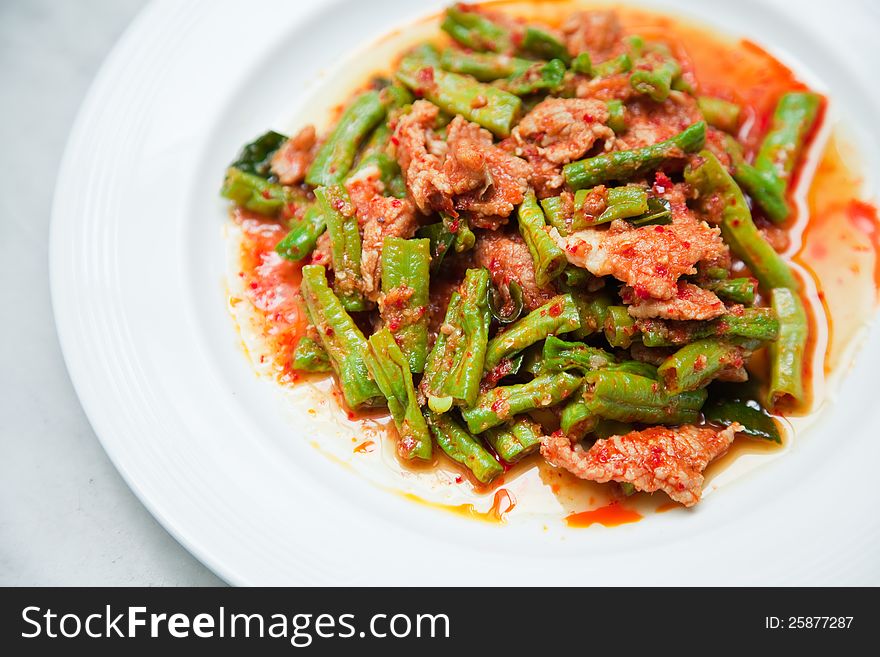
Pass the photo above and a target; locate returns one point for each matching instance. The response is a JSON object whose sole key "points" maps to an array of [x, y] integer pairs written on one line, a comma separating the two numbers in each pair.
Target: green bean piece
{"points": [[559, 315], [540, 77], [697, 364], [463, 448], [582, 64], [560, 356], [514, 440], [738, 290], [653, 74], [787, 352], [303, 236], [441, 242], [464, 238], [493, 108], [635, 45], [628, 397], [341, 338], [557, 214], [434, 379], [719, 190], [404, 305], [628, 489], [310, 356], [717, 273], [497, 405], [485, 67], [753, 324], [475, 31], [593, 309], [749, 414], [390, 369], [336, 155], [795, 114], [543, 45], [374, 153], [455, 365], [256, 157], [345, 245], [497, 303], [616, 116], [622, 165], [623, 203], [620, 64], [606, 428], [556, 211], [575, 277], [635, 367], [620, 328], [576, 419], [549, 259], [659, 212], [764, 187], [767, 181], [720, 113], [253, 192]]}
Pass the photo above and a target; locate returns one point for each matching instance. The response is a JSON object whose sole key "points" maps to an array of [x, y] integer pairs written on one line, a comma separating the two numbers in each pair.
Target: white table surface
{"points": [[66, 516]]}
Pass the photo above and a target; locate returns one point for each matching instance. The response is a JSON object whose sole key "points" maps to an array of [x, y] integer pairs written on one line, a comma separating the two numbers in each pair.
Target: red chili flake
{"points": [[454, 225], [656, 458], [254, 285], [661, 270], [426, 75], [641, 292], [459, 479], [588, 118], [497, 405], [686, 244], [338, 204], [396, 203], [266, 194], [659, 229], [393, 325], [395, 140], [556, 310], [661, 183], [328, 331]]}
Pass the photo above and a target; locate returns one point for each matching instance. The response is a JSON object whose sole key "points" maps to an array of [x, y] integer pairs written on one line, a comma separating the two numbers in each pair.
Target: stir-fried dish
{"points": [[544, 240]]}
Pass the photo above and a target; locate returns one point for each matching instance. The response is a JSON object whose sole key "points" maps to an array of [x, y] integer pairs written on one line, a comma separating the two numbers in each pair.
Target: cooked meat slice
{"points": [[556, 132], [322, 254], [614, 87], [291, 161], [690, 302], [596, 32], [649, 259], [564, 129], [649, 122], [658, 458], [653, 355], [420, 155], [381, 217], [488, 182], [507, 258], [466, 174]]}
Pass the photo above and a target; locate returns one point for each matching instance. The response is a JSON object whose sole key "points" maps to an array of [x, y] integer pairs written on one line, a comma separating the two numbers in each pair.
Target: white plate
{"points": [[137, 260]]}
